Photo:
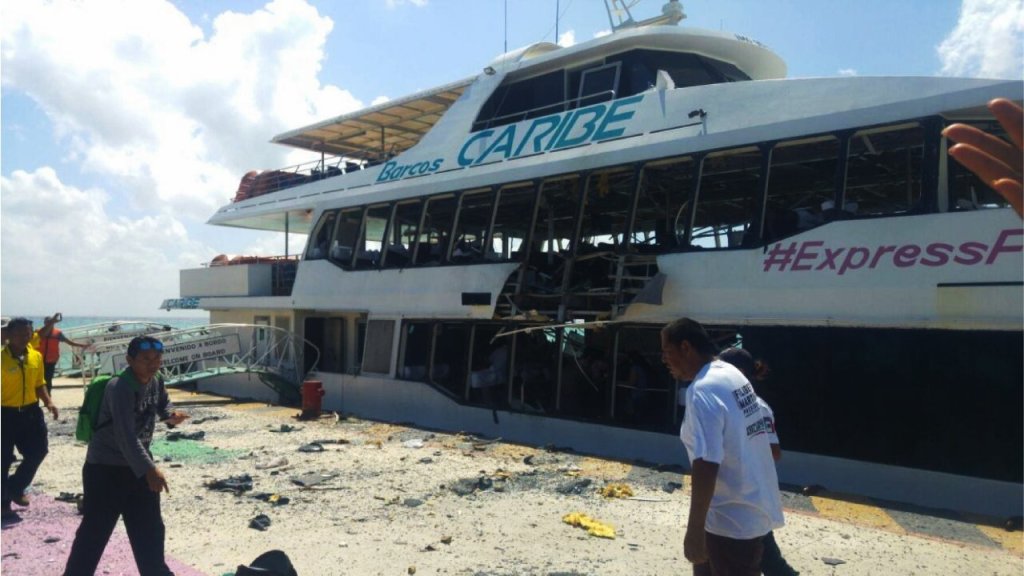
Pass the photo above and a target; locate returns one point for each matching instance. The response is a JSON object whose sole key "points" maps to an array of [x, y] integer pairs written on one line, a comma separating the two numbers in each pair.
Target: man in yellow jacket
{"points": [[23, 427]]}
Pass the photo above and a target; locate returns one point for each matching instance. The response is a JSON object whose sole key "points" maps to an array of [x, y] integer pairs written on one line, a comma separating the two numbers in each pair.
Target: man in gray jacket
{"points": [[120, 479]]}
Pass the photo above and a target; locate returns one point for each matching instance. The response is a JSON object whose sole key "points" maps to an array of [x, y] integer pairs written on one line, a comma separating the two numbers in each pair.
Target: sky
{"points": [[127, 124]]}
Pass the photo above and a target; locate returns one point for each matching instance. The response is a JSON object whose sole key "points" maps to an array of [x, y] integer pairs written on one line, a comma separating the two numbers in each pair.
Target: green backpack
{"points": [[89, 413]]}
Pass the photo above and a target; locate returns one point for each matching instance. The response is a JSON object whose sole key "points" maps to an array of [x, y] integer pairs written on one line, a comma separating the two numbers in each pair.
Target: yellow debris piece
{"points": [[592, 526], [617, 490]]}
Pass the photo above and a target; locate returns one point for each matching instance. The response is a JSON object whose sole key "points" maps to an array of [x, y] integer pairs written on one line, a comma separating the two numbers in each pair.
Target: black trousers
{"points": [[731, 557], [113, 492], [24, 429], [48, 371]]}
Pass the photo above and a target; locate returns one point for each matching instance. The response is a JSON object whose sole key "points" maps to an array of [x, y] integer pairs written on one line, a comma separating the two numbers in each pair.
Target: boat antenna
{"points": [[556, 21], [506, 28], [671, 13]]}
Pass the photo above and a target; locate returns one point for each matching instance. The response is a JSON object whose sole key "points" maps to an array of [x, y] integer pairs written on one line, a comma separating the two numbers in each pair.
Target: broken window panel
{"points": [[884, 173], [801, 184], [664, 205], [403, 233], [727, 205], [417, 342], [966, 190], [346, 234], [375, 225], [535, 371], [489, 370], [475, 212], [377, 349], [450, 366], [320, 240], [645, 394], [586, 373], [512, 222], [433, 246]]}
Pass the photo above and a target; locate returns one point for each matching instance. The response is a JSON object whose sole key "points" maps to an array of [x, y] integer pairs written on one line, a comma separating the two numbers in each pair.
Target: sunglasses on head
{"points": [[151, 345]]}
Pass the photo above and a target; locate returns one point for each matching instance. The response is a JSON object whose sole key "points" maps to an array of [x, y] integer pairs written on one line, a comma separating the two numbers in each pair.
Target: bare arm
{"points": [[701, 490], [43, 395]]}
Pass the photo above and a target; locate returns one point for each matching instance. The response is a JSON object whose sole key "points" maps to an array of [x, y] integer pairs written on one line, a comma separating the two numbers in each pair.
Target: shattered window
{"points": [[512, 222], [402, 235], [664, 205], [434, 238], [801, 184], [346, 234], [417, 341], [727, 207], [372, 236], [377, 348], [320, 240], [475, 212], [884, 173]]}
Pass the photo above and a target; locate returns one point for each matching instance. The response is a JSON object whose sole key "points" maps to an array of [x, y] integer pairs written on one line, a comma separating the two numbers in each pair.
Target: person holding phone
{"points": [[47, 341]]}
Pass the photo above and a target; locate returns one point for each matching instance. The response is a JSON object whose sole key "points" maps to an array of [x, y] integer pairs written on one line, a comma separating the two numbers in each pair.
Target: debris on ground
{"points": [[175, 436], [592, 526], [260, 522], [617, 490], [234, 484]]}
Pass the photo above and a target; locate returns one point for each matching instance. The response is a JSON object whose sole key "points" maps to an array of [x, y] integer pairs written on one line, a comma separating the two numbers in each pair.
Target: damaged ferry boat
{"points": [[498, 254]]}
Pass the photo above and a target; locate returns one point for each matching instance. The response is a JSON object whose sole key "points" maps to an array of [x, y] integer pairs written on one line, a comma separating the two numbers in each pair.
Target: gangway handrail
{"points": [[199, 352]]}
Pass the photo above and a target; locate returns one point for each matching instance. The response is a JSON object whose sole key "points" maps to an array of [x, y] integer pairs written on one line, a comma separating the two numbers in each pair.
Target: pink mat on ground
{"points": [[39, 545]]}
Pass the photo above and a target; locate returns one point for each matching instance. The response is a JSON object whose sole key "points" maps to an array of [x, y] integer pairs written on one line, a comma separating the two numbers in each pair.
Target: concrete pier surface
{"points": [[348, 496]]}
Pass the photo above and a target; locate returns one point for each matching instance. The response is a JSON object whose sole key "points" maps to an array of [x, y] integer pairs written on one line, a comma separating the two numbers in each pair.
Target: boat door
{"points": [[262, 336]]}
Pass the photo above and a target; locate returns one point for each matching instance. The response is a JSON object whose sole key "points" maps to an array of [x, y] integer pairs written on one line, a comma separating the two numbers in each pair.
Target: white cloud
{"points": [[379, 100], [568, 38], [61, 250], [986, 42], [847, 72], [602, 33], [391, 4], [173, 115], [168, 118]]}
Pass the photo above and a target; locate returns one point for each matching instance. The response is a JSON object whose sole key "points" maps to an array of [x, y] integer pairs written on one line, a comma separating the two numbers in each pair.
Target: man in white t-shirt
{"points": [[735, 491]]}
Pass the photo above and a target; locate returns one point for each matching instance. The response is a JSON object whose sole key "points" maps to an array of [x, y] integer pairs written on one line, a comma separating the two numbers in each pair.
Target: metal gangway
{"points": [[277, 356], [73, 360]]}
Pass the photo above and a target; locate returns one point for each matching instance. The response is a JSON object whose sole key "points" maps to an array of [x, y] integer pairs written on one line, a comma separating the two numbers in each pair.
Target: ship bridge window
{"points": [[320, 240], [432, 248], [523, 99], [403, 233], [966, 190], [476, 210], [727, 205], [801, 184], [598, 85], [884, 171], [640, 67]]}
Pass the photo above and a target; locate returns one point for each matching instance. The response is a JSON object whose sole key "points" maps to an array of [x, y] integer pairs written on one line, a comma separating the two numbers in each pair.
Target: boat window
{"points": [[432, 248], [884, 172], [475, 212], [328, 336], [512, 222], [417, 343], [320, 240], [489, 369], [402, 235], [801, 185], [966, 190], [664, 205], [603, 226], [535, 371], [371, 238], [727, 207], [377, 350], [640, 67], [598, 85], [645, 395], [346, 233], [554, 233], [523, 99], [450, 361]]}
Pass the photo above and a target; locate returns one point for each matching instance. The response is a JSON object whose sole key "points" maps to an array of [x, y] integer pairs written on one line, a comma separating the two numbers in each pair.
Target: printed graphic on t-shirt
{"points": [[746, 400]]}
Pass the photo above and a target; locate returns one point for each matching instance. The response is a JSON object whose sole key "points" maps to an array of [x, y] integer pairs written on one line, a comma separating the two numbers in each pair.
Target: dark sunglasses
{"points": [[151, 345]]}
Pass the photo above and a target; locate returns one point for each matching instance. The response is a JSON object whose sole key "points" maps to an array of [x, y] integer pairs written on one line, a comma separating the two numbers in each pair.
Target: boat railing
{"points": [[278, 355], [544, 110], [260, 182]]}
